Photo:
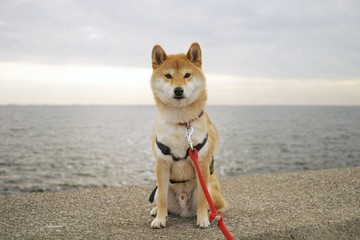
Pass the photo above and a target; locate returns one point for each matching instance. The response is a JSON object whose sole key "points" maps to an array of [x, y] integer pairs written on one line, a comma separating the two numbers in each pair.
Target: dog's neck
{"points": [[180, 115]]}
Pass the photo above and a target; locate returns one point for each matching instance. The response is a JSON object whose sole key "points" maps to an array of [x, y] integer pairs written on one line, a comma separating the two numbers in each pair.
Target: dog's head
{"points": [[177, 80]]}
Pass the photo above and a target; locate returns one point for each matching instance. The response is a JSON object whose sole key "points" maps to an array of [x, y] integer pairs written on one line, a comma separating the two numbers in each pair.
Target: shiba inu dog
{"points": [[179, 89]]}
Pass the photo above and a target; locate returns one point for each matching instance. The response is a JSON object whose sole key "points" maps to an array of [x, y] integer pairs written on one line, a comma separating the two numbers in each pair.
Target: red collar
{"points": [[187, 124]]}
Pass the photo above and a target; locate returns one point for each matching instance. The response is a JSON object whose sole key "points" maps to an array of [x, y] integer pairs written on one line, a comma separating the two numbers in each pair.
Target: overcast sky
{"points": [[254, 52]]}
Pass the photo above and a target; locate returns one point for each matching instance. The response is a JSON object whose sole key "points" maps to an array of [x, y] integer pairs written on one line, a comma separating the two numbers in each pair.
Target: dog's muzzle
{"points": [[178, 93]]}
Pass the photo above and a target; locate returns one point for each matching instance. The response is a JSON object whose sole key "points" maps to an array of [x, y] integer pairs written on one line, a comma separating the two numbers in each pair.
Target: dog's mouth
{"points": [[178, 97]]}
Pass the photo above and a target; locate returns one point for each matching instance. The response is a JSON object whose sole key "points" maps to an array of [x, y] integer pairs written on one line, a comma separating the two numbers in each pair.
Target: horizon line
{"points": [[154, 105]]}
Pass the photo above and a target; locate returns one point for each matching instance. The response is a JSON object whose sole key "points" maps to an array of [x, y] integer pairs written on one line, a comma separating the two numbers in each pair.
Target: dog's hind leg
{"points": [[218, 199], [173, 205], [153, 212]]}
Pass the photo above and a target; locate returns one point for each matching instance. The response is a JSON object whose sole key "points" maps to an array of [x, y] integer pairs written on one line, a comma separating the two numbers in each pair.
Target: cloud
{"points": [[255, 39], [259, 91], [24, 83]]}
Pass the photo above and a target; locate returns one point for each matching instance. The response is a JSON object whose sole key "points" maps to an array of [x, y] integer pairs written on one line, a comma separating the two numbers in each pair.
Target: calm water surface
{"points": [[49, 148]]}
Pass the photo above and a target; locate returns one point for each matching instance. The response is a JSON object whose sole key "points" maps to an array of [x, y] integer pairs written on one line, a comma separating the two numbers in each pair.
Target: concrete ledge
{"points": [[307, 205]]}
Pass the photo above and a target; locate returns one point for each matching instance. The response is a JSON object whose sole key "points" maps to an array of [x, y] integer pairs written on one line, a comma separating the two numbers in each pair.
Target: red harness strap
{"points": [[214, 216]]}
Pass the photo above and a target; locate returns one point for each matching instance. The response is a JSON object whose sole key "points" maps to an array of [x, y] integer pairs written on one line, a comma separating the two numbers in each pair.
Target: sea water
{"points": [[50, 148]]}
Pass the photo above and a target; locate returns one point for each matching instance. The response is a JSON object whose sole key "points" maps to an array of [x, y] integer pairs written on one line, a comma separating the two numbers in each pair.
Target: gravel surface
{"points": [[321, 204]]}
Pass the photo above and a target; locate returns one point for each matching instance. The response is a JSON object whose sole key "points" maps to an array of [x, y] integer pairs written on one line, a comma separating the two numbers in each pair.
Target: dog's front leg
{"points": [[162, 178], [203, 206]]}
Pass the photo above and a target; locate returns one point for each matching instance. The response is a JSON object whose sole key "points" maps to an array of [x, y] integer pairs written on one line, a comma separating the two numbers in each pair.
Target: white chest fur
{"points": [[173, 136]]}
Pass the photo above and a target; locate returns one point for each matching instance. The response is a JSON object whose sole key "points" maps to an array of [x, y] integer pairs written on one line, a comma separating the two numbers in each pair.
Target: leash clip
{"points": [[189, 130]]}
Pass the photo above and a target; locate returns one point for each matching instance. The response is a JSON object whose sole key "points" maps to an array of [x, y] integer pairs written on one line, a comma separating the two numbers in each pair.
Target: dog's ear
{"points": [[194, 54], [158, 56]]}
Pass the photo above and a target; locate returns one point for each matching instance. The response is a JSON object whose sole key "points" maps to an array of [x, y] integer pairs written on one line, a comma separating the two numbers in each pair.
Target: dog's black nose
{"points": [[178, 91]]}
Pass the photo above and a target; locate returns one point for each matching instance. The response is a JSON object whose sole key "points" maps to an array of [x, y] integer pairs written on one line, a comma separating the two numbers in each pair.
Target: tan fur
{"points": [[185, 199]]}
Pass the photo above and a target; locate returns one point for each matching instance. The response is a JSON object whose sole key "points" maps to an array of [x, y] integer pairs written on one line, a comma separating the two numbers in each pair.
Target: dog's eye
{"points": [[168, 76], [187, 75]]}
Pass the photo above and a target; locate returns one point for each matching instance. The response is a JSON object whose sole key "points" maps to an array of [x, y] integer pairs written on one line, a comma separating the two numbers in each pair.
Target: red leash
{"points": [[214, 216]]}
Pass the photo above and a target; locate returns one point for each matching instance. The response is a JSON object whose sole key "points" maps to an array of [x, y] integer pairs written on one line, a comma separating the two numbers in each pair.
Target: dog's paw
{"points": [[158, 222], [153, 212], [203, 222]]}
